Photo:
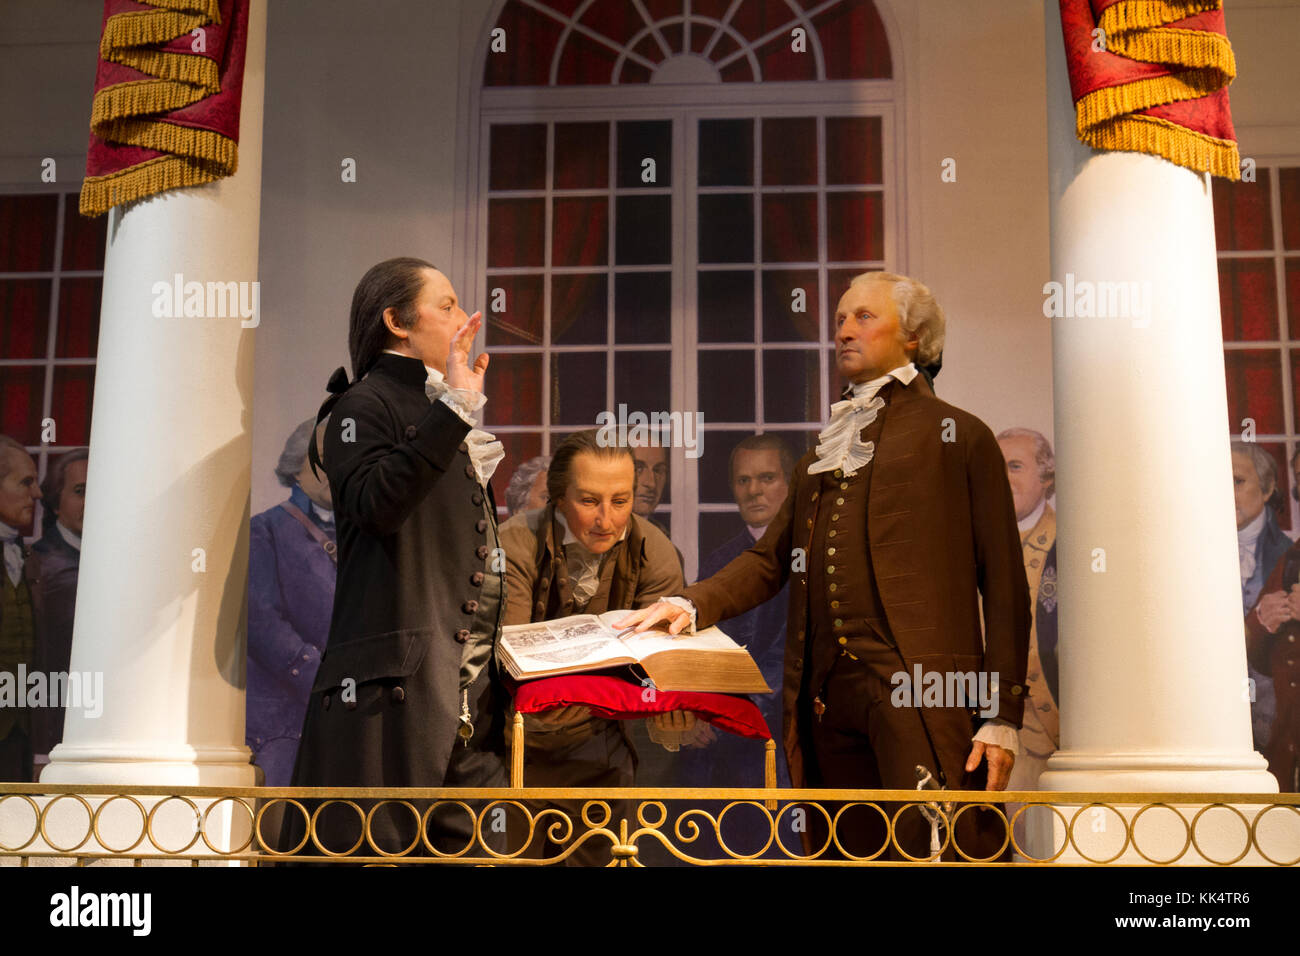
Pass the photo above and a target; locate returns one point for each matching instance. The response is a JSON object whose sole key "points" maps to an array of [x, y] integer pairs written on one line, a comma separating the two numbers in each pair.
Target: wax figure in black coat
{"points": [[407, 694]]}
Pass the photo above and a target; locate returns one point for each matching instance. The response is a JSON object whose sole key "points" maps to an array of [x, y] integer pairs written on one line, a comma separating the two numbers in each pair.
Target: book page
{"points": [[653, 641], [570, 642]]}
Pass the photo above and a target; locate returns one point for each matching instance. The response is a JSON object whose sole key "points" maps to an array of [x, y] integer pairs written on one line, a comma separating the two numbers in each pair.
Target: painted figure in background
{"points": [[292, 557], [55, 563], [19, 492], [1260, 546]]}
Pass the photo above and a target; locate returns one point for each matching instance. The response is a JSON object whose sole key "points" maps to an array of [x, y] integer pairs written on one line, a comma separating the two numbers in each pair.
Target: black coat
{"points": [[416, 532]]}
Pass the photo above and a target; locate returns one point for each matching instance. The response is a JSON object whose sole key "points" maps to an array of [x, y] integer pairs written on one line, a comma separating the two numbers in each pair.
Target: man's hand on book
{"points": [[661, 611], [561, 717]]}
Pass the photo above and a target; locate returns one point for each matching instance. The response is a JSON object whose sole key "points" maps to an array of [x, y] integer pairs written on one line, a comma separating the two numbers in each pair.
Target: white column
{"points": [[169, 475], [1152, 648]]}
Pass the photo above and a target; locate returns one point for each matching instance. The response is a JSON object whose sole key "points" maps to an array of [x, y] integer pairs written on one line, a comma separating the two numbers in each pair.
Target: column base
{"points": [[179, 766], [1162, 772]]}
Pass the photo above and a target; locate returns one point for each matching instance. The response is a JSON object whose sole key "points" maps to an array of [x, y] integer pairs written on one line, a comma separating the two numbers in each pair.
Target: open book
{"points": [[705, 661]]}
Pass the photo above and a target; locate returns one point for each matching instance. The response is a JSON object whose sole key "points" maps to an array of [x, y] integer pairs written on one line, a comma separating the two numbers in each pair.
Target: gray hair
{"points": [[918, 312], [521, 482], [294, 454], [1043, 456], [8, 444], [1265, 466]]}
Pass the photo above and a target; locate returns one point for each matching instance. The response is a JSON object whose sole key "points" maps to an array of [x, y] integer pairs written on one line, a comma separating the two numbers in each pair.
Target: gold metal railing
{"points": [[44, 825]]}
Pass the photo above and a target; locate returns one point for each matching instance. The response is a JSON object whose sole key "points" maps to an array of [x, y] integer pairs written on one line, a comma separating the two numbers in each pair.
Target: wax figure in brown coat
{"points": [[888, 558], [407, 694], [585, 552]]}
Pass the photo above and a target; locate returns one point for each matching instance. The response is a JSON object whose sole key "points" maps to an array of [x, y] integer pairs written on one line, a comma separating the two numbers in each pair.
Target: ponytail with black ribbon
{"points": [[336, 386]]}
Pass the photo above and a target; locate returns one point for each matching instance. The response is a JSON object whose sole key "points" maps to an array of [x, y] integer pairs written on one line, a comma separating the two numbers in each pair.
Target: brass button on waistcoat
{"points": [[469, 471], [476, 578], [835, 517], [831, 588], [476, 498], [463, 446], [462, 635], [830, 534], [398, 695], [835, 604], [839, 472], [481, 525], [830, 551], [469, 607], [839, 501], [844, 640], [481, 551], [830, 569], [844, 486], [839, 623]]}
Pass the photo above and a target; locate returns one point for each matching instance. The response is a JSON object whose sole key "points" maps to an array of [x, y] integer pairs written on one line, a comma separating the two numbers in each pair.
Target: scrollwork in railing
{"points": [[244, 825]]}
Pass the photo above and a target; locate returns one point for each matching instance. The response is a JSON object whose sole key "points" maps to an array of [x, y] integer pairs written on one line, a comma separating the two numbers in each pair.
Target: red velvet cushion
{"points": [[620, 699]]}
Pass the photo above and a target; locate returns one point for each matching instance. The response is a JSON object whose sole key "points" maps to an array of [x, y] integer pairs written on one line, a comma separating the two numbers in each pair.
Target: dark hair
{"points": [[52, 486], [560, 472], [395, 284], [764, 442]]}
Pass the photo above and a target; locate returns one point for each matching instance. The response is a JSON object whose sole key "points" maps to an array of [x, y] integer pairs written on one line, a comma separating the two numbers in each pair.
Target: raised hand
{"points": [[460, 373]]}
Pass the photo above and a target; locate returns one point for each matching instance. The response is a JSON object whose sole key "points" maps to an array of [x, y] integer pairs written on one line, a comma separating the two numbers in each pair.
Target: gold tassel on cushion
{"points": [[101, 193], [517, 751], [1145, 14]]}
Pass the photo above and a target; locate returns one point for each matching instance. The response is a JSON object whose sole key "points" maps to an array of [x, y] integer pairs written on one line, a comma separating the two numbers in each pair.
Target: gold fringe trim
{"points": [[1145, 14], [190, 68], [126, 112], [144, 28], [1183, 47], [184, 141], [1160, 137], [139, 98], [101, 193], [1111, 102]]}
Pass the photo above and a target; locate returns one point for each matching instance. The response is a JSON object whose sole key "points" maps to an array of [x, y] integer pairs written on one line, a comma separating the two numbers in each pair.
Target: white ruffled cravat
{"points": [[840, 444]]}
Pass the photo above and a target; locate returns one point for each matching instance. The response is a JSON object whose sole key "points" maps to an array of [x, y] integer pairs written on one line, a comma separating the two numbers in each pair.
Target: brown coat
{"points": [[941, 530], [642, 568]]}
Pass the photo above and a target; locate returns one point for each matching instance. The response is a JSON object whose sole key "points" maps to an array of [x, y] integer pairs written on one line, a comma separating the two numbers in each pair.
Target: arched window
{"points": [[672, 195]]}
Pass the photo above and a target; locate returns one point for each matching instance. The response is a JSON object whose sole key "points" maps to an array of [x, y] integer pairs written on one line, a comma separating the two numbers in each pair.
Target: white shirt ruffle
{"points": [[840, 444]]}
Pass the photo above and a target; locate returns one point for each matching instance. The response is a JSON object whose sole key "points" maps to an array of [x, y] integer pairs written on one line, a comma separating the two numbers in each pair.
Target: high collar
{"points": [[8, 531], [300, 500], [904, 373], [1028, 521], [403, 368], [1248, 535]]}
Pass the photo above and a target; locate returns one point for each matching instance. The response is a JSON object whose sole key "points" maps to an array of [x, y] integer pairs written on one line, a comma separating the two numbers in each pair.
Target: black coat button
{"points": [[398, 695], [481, 551], [481, 525], [476, 498], [469, 471], [469, 607], [463, 446], [325, 701], [350, 704], [476, 578], [462, 635], [411, 431]]}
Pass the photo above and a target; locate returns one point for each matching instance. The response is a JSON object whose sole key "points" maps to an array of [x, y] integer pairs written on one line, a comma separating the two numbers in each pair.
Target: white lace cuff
{"points": [[686, 605], [462, 401], [999, 733]]}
